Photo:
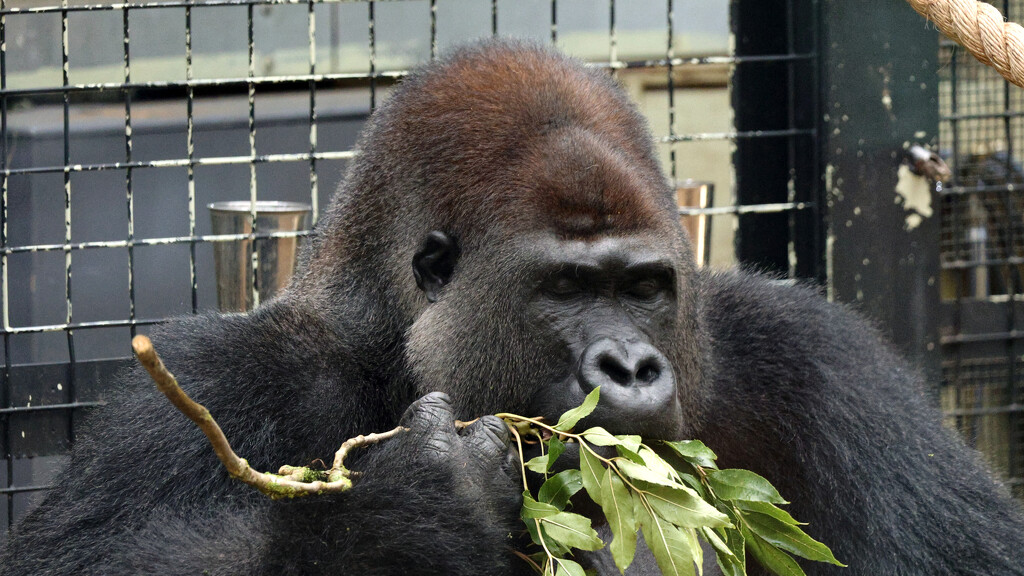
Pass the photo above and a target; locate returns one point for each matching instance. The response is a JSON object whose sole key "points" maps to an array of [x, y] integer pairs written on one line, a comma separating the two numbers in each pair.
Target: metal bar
{"points": [[955, 128], [748, 209], [183, 163], [69, 317], [10, 491], [962, 264], [818, 210], [314, 183], [739, 135], [554, 21], [1013, 287], [49, 407], [960, 190], [984, 115], [791, 140], [494, 17], [373, 56], [297, 79], [613, 40], [433, 29], [987, 411], [232, 82], [735, 85], [190, 150], [251, 99], [169, 4], [83, 326], [672, 138], [983, 337], [5, 381], [128, 172], [151, 241]]}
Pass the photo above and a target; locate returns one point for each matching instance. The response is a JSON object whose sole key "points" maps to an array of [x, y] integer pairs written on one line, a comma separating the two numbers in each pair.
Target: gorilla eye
{"points": [[562, 287], [647, 289]]}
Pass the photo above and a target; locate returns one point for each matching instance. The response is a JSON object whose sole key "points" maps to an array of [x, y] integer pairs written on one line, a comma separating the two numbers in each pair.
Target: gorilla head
{"points": [[547, 257]]}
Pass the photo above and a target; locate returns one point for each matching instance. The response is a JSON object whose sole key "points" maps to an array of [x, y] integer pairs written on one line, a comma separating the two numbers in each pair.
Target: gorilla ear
{"points": [[434, 263]]}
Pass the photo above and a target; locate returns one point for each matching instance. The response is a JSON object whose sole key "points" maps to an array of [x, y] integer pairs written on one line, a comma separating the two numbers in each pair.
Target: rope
{"points": [[980, 28]]}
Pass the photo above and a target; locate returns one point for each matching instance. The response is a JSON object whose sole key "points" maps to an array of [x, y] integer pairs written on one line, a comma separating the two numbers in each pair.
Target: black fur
{"points": [[506, 157]]}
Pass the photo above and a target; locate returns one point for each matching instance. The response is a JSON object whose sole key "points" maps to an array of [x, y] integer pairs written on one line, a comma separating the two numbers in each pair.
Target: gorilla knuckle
{"points": [[489, 435], [430, 411]]}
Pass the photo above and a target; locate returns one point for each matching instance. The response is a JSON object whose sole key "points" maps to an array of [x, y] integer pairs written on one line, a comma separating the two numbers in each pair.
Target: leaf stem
{"points": [[551, 557], [522, 463]]}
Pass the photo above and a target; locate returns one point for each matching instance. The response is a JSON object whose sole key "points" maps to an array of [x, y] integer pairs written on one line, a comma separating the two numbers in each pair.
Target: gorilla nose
{"points": [[613, 364]]}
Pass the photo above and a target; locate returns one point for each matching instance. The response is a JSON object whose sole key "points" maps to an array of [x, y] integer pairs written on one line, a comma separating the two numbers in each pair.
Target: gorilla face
{"points": [[546, 247], [574, 314]]}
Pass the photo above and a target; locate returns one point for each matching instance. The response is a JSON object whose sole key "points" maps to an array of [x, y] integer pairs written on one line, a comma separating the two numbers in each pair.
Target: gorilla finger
{"points": [[430, 413], [489, 437]]}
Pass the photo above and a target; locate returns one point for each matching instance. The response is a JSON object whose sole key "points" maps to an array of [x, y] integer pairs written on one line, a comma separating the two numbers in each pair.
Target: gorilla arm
{"points": [[285, 388], [806, 394]]}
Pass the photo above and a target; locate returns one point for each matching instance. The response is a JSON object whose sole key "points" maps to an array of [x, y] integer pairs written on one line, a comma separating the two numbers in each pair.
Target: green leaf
{"points": [[572, 530], [682, 506], [601, 437], [630, 454], [715, 540], [557, 490], [670, 547], [618, 509], [735, 484], [769, 509], [531, 527], [591, 471], [694, 451], [629, 441], [534, 509], [538, 533], [555, 449], [657, 464], [538, 464], [734, 564], [692, 481], [634, 470], [789, 538], [771, 558], [568, 568], [570, 418]]}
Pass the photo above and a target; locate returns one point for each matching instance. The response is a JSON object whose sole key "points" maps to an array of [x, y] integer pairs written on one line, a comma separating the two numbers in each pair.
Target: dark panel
{"points": [[880, 95]]}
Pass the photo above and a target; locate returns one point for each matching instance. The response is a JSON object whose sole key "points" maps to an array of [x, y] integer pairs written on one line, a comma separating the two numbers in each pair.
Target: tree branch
{"points": [[290, 481]]}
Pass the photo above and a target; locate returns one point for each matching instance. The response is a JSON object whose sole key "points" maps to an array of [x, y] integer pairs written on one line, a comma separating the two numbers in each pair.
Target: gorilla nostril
{"points": [[648, 372], [615, 370]]}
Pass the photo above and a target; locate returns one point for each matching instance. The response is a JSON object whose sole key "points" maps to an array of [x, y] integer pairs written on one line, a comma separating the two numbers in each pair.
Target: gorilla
{"points": [[506, 241]]}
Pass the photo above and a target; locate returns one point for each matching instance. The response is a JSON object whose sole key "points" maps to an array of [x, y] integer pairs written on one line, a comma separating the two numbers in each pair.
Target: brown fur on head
{"points": [[487, 113], [506, 132]]}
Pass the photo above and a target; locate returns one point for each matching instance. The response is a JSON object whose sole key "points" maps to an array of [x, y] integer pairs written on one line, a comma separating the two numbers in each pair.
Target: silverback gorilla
{"points": [[506, 241]]}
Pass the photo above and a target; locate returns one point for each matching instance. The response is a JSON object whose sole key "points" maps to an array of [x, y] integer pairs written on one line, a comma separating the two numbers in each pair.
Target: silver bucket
{"points": [[276, 257], [697, 194]]}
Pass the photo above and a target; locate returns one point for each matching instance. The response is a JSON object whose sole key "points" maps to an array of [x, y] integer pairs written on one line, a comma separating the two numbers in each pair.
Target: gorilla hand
{"points": [[478, 461], [445, 501]]}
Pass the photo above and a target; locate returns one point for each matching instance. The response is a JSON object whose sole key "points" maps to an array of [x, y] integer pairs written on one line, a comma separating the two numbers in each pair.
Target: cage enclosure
{"points": [[121, 122]]}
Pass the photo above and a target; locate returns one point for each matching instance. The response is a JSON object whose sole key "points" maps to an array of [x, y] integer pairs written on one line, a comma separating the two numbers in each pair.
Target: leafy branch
{"points": [[638, 490], [672, 505]]}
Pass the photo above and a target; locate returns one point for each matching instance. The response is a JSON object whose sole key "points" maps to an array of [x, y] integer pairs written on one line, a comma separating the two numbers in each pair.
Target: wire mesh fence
{"points": [[121, 122], [982, 250]]}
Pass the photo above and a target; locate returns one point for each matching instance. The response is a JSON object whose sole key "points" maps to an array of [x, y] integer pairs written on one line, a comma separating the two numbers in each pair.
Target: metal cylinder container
{"points": [[238, 289], [699, 195]]}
